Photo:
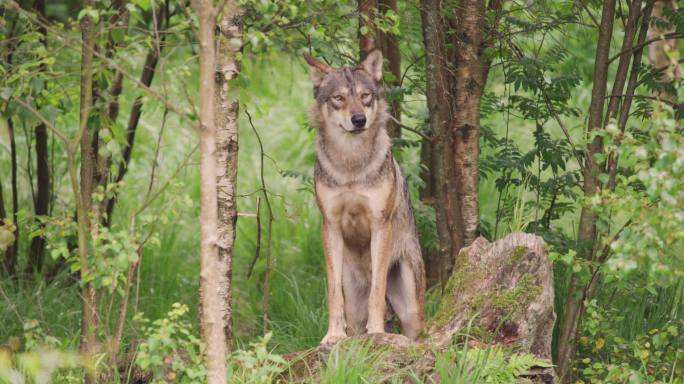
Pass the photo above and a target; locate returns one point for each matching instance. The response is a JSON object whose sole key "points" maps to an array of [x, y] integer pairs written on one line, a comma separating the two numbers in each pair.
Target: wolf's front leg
{"points": [[334, 248], [381, 239]]}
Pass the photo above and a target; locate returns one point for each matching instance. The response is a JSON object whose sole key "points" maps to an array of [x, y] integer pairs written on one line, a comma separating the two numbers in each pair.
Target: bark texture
{"points": [[437, 153], [367, 31], [506, 287], [389, 44], [456, 73], [469, 84], [587, 227], [212, 292], [226, 113]]}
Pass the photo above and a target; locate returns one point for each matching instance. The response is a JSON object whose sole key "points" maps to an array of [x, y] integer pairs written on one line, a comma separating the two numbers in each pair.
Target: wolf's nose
{"points": [[359, 120]]}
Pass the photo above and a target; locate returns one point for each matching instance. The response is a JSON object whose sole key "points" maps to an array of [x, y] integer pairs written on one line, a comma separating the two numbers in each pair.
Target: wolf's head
{"points": [[348, 100]]}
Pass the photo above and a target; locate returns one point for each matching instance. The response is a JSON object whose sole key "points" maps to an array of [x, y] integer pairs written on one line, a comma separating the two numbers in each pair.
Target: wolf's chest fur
{"points": [[355, 208]]}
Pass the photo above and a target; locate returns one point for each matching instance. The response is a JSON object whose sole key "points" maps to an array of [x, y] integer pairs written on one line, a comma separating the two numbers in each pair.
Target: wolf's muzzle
{"points": [[359, 121]]}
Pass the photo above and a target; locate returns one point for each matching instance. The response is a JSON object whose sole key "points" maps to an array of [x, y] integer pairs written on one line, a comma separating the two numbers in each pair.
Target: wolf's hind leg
{"points": [[403, 295], [356, 292]]}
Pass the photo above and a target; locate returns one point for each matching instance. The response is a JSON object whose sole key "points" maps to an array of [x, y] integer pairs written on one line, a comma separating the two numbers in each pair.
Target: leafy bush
{"points": [[495, 365], [257, 365], [651, 357], [170, 350]]}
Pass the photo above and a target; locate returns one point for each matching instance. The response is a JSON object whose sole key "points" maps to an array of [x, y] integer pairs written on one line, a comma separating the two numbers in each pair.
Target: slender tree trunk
{"points": [[9, 262], [469, 87], [629, 93], [12, 251], [438, 153], [84, 203], [3, 212], [569, 327], [389, 44], [367, 31], [623, 64], [118, 19], [226, 105], [42, 201], [456, 74], [213, 293], [146, 77]]}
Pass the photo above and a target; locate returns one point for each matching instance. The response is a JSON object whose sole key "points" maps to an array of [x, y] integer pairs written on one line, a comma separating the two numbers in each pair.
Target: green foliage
{"points": [[257, 365], [354, 362], [322, 25], [650, 198], [495, 365], [425, 224], [170, 348], [651, 357]]}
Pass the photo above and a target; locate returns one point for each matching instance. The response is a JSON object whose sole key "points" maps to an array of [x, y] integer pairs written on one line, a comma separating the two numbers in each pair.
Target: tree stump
{"points": [[499, 293]]}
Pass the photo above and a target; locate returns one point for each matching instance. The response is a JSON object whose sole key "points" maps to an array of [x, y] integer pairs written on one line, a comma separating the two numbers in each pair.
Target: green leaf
{"points": [[143, 4], [6, 93]]}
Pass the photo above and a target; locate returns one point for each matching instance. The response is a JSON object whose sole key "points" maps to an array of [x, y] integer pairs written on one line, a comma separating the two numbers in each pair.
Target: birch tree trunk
{"points": [[213, 274], [227, 106], [437, 151], [456, 74], [468, 88]]}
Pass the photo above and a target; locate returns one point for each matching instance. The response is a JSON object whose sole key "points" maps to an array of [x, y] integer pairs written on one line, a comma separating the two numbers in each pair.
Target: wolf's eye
{"points": [[365, 96], [338, 98]]}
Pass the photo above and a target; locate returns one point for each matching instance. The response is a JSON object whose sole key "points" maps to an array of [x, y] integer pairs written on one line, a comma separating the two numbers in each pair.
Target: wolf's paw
{"points": [[383, 332], [333, 337], [379, 328]]}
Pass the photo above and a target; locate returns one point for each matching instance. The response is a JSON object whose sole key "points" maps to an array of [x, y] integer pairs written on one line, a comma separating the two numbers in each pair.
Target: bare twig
{"points": [[667, 36], [562, 126], [410, 129], [269, 263], [257, 251], [591, 15], [43, 120]]}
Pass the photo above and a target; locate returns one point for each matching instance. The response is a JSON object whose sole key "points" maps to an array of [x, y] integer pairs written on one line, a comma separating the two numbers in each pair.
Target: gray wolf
{"points": [[371, 247]]}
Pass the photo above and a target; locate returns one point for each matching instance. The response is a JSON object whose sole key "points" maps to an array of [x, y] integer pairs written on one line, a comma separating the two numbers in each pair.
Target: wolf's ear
{"points": [[373, 64], [317, 69]]}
